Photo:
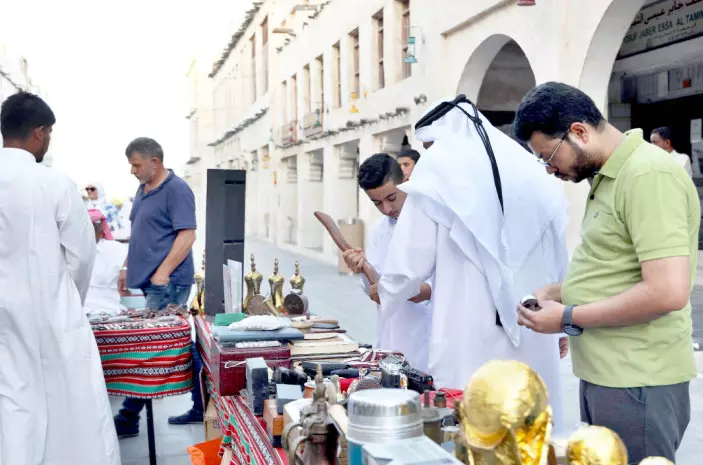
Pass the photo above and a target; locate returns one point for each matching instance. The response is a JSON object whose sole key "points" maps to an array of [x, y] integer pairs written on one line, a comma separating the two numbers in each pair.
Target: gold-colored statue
{"points": [[276, 282], [505, 417], [595, 445], [197, 306], [297, 281], [656, 461], [253, 281]]}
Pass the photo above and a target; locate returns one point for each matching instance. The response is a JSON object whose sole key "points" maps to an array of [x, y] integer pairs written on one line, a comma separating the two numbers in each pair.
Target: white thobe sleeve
{"points": [[687, 166], [77, 237], [411, 257]]}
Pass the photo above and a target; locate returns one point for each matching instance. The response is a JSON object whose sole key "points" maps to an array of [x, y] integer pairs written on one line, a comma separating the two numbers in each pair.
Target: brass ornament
{"points": [[297, 281], [253, 281], [595, 445], [504, 417], [276, 283]]}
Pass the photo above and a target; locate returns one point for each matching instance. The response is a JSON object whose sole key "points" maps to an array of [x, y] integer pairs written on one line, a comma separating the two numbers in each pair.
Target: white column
{"points": [[310, 192]]}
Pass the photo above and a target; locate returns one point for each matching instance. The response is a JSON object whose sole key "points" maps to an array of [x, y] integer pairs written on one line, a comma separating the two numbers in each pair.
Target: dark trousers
{"points": [[650, 420], [158, 297], [131, 407]]}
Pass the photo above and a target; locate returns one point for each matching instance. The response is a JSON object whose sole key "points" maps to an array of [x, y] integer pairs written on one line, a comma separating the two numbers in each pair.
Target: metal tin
{"points": [[378, 415]]}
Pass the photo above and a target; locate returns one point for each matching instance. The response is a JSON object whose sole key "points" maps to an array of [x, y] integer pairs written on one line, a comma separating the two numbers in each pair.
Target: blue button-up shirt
{"points": [[156, 218]]}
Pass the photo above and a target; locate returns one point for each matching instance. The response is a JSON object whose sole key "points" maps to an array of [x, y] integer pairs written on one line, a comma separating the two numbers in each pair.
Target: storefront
{"points": [[657, 77]]}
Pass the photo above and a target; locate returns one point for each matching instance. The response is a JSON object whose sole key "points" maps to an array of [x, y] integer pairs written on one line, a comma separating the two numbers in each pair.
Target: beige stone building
{"points": [[306, 90]]}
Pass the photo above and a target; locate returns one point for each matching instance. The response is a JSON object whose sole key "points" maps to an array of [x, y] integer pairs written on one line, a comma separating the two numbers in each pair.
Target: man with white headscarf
{"points": [[487, 220]]}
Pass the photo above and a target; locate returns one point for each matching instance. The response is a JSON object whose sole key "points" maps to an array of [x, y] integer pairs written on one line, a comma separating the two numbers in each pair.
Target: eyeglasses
{"points": [[90, 189], [548, 161]]}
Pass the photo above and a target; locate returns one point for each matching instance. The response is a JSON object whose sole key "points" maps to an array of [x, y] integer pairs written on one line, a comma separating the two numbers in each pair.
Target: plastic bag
{"points": [[205, 453]]}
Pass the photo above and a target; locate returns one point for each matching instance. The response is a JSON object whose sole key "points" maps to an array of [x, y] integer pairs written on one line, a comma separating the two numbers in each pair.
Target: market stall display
{"points": [[148, 358]]}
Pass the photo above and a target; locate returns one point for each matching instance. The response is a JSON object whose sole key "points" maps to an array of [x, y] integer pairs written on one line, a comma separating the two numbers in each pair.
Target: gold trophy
{"points": [[596, 445], [253, 281], [275, 301], [504, 417], [295, 302], [197, 306]]}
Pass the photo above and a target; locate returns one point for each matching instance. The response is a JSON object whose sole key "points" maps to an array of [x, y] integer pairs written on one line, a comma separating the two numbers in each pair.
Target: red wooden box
{"points": [[228, 364]]}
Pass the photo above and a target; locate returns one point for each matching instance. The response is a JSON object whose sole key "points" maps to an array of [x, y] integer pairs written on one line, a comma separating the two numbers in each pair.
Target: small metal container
{"points": [[381, 415], [530, 303]]}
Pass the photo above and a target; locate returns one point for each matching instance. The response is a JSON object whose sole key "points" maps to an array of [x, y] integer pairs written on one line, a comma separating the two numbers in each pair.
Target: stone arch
{"points": [[496, 77], [604, 47]]}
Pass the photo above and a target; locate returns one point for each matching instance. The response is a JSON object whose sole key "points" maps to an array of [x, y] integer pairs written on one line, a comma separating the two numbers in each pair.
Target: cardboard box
{"points": [[213, 429]]}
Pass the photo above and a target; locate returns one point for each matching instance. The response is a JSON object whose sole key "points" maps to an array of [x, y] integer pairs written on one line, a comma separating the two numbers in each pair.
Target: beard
{"points": [[585, 166]]}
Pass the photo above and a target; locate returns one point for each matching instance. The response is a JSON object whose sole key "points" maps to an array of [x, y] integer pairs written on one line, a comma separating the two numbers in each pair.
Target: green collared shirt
{"points": [[642, 206]]}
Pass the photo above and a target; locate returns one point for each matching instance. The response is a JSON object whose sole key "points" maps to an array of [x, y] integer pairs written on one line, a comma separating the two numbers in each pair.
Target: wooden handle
{"points": [[343, 245]]}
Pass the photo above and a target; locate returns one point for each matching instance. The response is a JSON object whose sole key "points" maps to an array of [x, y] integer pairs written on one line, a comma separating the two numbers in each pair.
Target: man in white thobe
{"points": [[490, 233], [405, 330], [54, 408]]}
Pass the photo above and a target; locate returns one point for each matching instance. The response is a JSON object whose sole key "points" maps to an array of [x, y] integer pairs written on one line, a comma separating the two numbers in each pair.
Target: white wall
{"points": [[456, 46]]}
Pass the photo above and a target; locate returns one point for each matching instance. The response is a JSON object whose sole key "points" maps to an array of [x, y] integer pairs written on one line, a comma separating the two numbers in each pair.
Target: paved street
{"points": [[340, 297]]}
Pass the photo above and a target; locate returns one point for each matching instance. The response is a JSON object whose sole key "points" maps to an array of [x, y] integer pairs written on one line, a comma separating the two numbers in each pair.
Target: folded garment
{"points": [[223, 334]]}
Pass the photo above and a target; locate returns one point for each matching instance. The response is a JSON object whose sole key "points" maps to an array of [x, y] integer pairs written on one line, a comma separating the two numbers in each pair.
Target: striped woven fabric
{"points": [[147, 363]]}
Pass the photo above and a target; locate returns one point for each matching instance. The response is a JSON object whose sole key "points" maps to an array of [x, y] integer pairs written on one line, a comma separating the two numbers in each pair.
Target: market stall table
{"points": [[146, 359], [243, 432]]}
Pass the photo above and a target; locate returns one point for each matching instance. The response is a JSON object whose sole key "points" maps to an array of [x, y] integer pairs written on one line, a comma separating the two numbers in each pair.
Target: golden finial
{"points": [[297, 281]]}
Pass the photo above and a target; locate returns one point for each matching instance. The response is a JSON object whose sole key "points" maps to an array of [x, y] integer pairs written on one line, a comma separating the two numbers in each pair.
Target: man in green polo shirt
{"points": [[625, 299]]}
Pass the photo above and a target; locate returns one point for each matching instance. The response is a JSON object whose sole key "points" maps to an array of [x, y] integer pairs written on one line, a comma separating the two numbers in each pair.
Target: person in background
{"points": [[407, 330], [103, 295], [160, 259], [54, 407], [408, 159], [98, 201], [661, 137], [123, 230], [625, 300]]}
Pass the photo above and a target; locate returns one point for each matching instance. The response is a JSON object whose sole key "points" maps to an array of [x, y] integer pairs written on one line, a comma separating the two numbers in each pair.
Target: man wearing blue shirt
{"points": [[160, 260]]}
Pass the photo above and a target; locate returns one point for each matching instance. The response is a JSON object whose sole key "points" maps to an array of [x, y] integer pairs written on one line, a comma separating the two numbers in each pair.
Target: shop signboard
{"points": [[663, 23]]}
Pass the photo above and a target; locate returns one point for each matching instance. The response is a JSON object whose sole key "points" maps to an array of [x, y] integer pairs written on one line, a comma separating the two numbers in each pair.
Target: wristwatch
{"points": [[567, 324]]}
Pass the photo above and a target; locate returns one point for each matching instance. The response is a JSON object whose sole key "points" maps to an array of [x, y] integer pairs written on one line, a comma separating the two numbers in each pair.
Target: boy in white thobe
{"points": [[490, 233], [406, 330]]}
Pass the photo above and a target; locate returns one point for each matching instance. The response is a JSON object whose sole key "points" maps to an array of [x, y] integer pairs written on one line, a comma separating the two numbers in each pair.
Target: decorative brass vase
{"points": [[253, 281]]}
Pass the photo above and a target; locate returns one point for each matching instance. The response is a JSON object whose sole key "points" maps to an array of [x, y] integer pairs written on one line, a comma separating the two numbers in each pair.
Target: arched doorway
{"points": [[604, 48], [644, 68], [496, 77]]}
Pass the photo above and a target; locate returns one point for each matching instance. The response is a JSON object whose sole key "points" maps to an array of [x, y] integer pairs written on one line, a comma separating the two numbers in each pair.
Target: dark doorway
{"points": [[676, 114]]}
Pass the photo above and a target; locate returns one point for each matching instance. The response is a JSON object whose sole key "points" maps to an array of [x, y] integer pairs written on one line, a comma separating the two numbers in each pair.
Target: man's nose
{"points": [[550, 169], [387, 208]]}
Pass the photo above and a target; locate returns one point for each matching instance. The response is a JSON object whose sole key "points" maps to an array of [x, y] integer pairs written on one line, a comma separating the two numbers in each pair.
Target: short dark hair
{"points": [[410, 153], [377, 170], [21, 113], [551, 108], [145, 146], [663, 132]]}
